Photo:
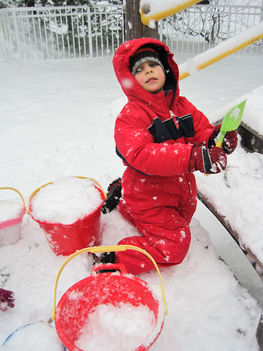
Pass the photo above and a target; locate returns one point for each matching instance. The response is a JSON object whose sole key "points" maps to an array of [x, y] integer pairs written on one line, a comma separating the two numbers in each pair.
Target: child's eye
{"points": [[139, 69], [153, 64]]}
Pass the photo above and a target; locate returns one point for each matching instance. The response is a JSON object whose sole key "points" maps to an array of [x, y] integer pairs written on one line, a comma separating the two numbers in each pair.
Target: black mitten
{"points": [[113, 196]]}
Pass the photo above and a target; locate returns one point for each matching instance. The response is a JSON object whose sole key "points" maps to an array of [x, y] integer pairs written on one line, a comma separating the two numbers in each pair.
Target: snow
{"points": [[221, 50], [230, 182], [57, 120], [155, 6], [10, 209], [130, 326], [30, 338], [65, 200], [11, 215], [254, 105]]}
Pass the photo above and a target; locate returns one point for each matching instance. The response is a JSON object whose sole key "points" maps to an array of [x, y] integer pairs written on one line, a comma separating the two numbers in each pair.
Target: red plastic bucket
{"points": [[64, 239], [105, 288]]}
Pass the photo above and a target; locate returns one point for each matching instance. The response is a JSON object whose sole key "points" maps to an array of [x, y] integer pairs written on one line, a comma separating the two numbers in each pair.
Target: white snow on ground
{"points": [[243, 191], [57, 120]]}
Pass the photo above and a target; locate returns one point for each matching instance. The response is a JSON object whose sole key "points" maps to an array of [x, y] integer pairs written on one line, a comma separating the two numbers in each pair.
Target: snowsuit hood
{"points": [[129, 85]]}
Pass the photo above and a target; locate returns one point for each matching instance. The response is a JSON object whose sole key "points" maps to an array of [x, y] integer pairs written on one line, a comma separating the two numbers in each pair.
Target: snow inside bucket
{"points": [[114, 311], [11, 215], [38, 336], [69, 211]]}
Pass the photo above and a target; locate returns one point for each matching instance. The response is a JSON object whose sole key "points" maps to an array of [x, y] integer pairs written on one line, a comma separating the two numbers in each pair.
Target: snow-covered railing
{"points": [[202, 27], [61, 32], [95, 31], [221, 51], [162, 11]]}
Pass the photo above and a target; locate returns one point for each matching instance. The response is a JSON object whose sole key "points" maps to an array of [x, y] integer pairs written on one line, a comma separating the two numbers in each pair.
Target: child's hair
{"points": [[144, 54]]}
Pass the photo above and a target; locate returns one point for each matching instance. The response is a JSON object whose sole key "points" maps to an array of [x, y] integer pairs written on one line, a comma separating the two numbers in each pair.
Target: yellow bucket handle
{"points": [[100, 249], [80, 177], [95, 181], [17, 191]]}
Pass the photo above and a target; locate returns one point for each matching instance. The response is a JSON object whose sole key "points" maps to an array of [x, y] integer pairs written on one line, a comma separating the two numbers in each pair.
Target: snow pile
{"points": [[65, 200], [253, 114], [120, 327], [11, 216], [10, 209], [244, 171]]}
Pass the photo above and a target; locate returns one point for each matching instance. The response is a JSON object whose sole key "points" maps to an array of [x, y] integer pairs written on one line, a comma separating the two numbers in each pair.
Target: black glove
{"points": [[113, 196]]}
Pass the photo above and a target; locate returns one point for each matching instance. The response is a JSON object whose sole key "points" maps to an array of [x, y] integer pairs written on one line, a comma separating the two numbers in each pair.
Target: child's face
{"points": [[150, 76]]}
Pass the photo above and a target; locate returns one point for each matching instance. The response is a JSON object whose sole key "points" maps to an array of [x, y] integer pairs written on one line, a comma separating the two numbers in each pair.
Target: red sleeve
{"points": [[135, 145]]}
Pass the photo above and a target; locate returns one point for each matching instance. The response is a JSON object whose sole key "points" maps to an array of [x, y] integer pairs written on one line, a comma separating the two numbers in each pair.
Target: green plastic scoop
{"points": [[230, 122]]}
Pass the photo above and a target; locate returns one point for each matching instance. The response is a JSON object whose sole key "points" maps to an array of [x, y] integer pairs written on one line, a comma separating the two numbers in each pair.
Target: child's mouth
{"points": [[151, 80]]}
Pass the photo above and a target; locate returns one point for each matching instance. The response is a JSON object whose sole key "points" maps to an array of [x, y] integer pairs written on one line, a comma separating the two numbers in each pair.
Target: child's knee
{"points": [[175, 249]]}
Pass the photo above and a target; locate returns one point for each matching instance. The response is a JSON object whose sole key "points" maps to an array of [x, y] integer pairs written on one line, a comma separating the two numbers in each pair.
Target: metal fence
{"points": [[83, 31], [201, 27], [61, 32]]}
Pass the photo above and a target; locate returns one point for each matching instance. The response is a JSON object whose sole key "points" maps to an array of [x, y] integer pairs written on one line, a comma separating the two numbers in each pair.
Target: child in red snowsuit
{"points": [[162, 139]]}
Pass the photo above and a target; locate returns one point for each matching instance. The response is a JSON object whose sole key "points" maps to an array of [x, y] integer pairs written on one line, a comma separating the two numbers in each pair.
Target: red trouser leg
{"points": [[165, 236]]}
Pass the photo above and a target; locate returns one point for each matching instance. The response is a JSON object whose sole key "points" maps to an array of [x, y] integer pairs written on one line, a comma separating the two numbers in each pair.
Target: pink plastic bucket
{"points": [[65, 239], [10, 228], [13, 221]]}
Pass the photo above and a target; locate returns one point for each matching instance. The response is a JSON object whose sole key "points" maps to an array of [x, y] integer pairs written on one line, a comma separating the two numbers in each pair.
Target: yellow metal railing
{"points": [[166, 13], [222, 50]]}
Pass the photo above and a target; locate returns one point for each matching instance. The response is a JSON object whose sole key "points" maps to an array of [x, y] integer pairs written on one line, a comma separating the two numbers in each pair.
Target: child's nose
{"points": [[148, 69]]}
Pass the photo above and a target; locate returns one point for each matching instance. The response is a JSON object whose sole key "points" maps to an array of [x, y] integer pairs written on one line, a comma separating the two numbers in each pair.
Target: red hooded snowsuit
{"points": [[154, 135]]}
